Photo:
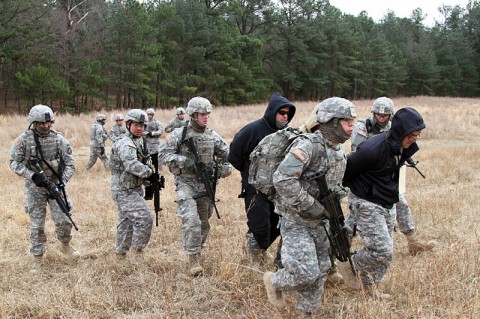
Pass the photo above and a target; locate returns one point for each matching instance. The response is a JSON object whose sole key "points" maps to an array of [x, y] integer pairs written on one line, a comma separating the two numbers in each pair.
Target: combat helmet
{"points": [[150, 111], [199, 105], [40, 113], [100, 117], [118, 117], [136, 115], [180, 110], [383, 105], [335, 107]]}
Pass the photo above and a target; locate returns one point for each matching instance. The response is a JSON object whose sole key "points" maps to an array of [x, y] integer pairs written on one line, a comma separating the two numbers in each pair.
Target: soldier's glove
{"points": [[317, 211], [189, 165], [38, 180], [154, 178], [102, 151], [149, 134]]}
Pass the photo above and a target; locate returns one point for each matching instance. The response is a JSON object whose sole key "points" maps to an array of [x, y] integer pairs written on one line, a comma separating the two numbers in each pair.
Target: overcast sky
{"points": [[376, 9]]}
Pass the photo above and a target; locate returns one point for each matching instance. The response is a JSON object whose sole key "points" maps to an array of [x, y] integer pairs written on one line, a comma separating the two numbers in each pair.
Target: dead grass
{"points": [[438, 284]]}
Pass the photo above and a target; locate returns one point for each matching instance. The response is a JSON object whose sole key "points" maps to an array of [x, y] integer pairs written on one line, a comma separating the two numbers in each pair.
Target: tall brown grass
{"points": [[439, 284]]}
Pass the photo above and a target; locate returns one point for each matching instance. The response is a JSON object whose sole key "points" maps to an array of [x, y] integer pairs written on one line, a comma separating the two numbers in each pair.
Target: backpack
{"points": [[267, 155]]}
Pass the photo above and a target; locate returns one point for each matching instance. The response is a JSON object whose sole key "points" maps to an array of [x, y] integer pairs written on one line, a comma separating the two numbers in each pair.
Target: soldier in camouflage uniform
{"points": [[306, 249], [129, 174], [178, 121], [98, 136], [372, 174], [118, 129], [41, 144], [195, 211], [152, 132], [382, 111]]}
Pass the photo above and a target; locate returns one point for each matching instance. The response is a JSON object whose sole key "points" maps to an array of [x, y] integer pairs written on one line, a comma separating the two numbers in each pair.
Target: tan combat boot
{"points": [[372, 291], [275, 296], [68, 250], [195, 267], [353, 281], [416, 245], [37, 264]]}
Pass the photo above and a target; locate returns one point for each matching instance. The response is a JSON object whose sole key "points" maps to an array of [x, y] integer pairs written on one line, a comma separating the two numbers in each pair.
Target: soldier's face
{"points": [[203, 118], [382, 118], [181, 116], [137, 129], [150, 117], [44, 127], [347, 125], [119, 122]]}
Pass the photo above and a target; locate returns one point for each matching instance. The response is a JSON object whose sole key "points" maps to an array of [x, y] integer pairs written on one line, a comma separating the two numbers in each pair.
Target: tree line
{"points": [[80, 55]]}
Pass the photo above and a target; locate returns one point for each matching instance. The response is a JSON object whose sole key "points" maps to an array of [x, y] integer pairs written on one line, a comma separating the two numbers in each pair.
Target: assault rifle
{"points": [[412, 163], [157, 182], [338, 235], [204, 174], [54, 192]]}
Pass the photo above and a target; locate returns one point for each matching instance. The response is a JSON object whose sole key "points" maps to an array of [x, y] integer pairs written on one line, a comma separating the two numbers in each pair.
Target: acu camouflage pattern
{"points": [[195, 213], [153, 142], [375, 225], [98, 136], [116, 131], [360, 132], [58, 153], [383, 105], [305, 247], [335, 107], [175, 123], [128, 175]]}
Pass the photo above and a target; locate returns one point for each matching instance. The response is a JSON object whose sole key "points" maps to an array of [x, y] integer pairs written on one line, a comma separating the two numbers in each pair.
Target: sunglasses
{"points": [[281, 112]]}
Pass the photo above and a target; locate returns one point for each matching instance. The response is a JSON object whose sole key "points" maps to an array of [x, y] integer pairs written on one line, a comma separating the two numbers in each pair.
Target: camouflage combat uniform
{"points": [[98, 136], [152, 134], [175, 123], [57, 152], [116, 131], [305, 246], [128, 176]]}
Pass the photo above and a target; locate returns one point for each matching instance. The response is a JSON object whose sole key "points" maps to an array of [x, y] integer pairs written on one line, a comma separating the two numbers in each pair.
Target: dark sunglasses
{"points": [[282, 112]]}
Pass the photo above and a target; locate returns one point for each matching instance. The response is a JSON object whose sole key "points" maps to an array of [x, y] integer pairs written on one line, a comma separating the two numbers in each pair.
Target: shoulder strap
{"points": [[42, 158]]}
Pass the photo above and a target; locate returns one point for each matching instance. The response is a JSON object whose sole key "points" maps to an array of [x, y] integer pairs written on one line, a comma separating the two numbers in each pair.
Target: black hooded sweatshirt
{"points": [[373, 169], [251, 134]]}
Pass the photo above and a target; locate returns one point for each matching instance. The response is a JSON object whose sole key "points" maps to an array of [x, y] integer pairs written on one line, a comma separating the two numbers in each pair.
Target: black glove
{"points": [[154, 178], [189, 165], [38, 180], [149, 134], [102, 150]]}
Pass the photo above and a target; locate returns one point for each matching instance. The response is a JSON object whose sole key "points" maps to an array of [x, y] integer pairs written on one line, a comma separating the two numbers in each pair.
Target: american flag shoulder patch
{"points": [[362, 133], [300, 154]]}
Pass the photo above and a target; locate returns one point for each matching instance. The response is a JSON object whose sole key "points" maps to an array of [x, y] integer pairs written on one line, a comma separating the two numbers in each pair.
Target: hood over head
{"points": [[404, 122], [276, 103]]}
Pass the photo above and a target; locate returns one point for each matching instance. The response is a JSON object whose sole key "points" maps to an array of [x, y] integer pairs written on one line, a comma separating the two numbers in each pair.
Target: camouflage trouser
{"points": [[404, 216], [135, 221], [96, 152], [153, 148], [37, 199], [375, 225], [306, 261], [195, 214]]}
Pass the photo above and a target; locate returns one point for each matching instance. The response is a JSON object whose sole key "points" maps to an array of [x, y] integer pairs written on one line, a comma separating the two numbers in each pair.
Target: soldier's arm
{"points": [[158, 129], [17, 159], [167, 153], [66, 154], [128, 156]]}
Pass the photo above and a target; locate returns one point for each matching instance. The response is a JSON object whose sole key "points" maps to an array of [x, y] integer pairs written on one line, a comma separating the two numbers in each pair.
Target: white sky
{"points": [[376, 9]]}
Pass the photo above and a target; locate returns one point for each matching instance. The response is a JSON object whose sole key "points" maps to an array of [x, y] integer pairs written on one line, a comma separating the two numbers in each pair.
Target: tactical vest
{"points": [[50, 150]]}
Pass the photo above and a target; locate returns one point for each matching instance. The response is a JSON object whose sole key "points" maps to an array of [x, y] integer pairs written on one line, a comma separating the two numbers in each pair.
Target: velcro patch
{"points": [[131, 144], [300, 154], [362, 133]]}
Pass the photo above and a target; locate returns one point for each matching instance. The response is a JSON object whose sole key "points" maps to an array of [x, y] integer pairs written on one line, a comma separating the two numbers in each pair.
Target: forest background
{"points": [[85, 55]]}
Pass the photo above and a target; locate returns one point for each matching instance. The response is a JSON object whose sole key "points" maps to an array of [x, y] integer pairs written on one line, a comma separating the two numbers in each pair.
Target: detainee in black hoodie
{"points": [[372, 174], [261, 218]]}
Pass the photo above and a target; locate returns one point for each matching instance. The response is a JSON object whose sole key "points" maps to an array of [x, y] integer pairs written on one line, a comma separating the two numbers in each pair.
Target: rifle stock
{"points": [[203, 175], [338, 234], [54, 193]]}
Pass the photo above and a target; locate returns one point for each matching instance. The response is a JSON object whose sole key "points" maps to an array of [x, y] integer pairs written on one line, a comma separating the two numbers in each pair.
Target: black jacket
{"points": [[372, 170], [251, 134]]}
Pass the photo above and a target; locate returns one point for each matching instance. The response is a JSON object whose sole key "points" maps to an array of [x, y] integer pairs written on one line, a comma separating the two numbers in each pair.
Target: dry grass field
{"points": [[443, 283]]}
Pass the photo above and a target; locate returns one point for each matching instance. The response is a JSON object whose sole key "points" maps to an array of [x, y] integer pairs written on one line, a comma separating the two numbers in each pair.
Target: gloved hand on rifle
{"points": [[189, 165], [39, 180], [316, 211], [102, 151], [154, 178]]}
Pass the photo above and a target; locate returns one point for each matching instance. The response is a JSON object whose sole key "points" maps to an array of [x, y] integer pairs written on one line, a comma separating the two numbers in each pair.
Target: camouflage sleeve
{"points": [[66, 154], [167, 154], [99, 136], [221, 148], [127, 152], [169, 127], [112, 135], [359, 134], [158, 129], [17, 157], [286, 178]]}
